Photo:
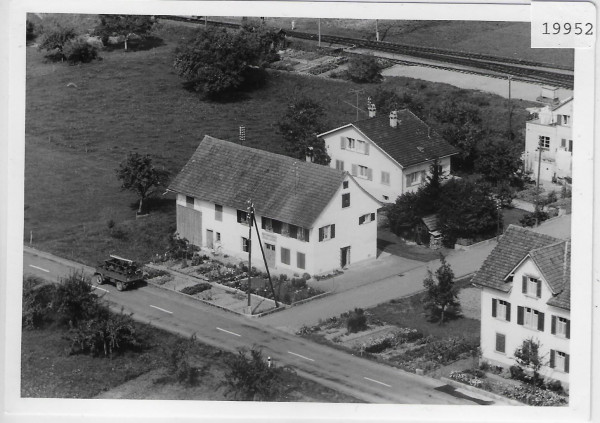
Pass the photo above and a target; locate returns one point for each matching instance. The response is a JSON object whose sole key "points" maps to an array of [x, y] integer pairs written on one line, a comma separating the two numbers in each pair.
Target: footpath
{"points": [[387, 278]]}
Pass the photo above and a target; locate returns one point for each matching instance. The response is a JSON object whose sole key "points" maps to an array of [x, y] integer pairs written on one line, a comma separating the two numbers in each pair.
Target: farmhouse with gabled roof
{"points": [[312, 218], [388, 155], [526, 290]]}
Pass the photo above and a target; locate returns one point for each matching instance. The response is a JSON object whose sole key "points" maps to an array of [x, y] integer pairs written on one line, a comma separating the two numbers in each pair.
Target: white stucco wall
{"points": [[378, 161], [556, 132], [515, 333]]}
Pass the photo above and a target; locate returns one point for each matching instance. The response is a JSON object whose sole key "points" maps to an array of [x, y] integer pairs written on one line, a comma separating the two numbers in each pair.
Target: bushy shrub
{"points": [[306, 276], [516, 373], [37, 303], [298, 283], [529, 219], [532, 395], [195, 289], [552, 197], [78, 50], [357, 321], [364, 69], [178, 359], [75, 302], [554, 385]]}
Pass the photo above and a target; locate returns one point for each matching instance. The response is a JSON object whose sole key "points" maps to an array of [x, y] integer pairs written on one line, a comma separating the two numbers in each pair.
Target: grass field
{"points": [[47, 371], [81, 121]]}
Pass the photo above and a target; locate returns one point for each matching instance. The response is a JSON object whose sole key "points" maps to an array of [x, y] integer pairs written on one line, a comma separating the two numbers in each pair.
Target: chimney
{"points": [[393, 119], [372, 110]]}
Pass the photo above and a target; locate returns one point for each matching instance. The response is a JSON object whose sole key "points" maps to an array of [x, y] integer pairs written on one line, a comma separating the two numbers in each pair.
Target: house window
{"points": [[245, 245], [559, 361], [530, 318], [500, 343], [385, 197], [243, 217], [385, 178], [267, 224], [301, 260], [277, 225], [345, 200], [302, 234], [339, 164], [570, 146], [189, 201], [345, 184], [501, 309], [218, 212], [544, 142], [326, 232], [285, 255], [561, 327], [563, 143], [566, 119], [218, 236], [532, 287], [363, 172], [351, 144], [366, 218], [413, 178]]}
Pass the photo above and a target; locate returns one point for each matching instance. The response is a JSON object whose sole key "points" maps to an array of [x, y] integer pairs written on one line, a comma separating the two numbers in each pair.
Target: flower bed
{"points": [[196, 289]]}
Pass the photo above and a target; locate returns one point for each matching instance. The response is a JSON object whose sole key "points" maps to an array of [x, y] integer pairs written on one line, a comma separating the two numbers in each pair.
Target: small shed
{"points": [[435, 236]]}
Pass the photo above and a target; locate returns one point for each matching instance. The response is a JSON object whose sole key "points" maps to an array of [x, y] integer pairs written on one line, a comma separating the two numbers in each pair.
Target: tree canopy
{"points": [[299, 126], [441, 295], [385, 101], [54, 38], [498, 159], [364, 69], [138, 174], [123, 26], [217, 61]]}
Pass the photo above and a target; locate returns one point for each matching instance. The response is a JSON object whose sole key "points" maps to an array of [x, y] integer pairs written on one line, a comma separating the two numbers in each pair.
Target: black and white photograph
{"points": [[216, 211]]}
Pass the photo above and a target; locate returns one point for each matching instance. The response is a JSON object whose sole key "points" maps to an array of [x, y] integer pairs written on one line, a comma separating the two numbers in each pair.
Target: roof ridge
{"points": [[547, 246]]}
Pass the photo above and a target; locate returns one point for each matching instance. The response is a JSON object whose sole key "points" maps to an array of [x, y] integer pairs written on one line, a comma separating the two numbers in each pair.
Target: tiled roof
{"points": [[410, 143], [516, 244], [282, 188]]}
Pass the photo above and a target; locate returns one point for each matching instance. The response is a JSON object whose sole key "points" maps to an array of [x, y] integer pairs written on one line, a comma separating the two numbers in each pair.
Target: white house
{"points": [[312, 218], [388, 155], [526, 294], [552, 131]]}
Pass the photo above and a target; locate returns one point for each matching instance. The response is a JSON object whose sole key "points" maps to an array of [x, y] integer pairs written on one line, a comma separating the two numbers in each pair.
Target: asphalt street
{"points": [[361, 378]]}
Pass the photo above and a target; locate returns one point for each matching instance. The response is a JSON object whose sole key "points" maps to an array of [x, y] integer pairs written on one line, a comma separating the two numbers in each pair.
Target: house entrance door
{"points": [[270, 255], [345, 256], [209, 239]]}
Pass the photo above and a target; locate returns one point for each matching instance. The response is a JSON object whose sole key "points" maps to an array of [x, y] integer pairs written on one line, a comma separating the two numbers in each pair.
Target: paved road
{"points": [[361, 378]]}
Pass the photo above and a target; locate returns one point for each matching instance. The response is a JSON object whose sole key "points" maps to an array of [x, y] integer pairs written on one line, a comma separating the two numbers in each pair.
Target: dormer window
{"points": [[532, 287]]}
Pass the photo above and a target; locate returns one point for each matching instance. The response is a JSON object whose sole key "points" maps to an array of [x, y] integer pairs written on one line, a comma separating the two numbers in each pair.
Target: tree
{"points": [[79, 50], [432, 189], [364, 69], [497, 159], [466, 210], [249, 377], [385, 101], [123, 26], [528, 355], [217, 61], [138, 174], [405, 214], [460, 125], [179, 359], [30, 30], [302, 122], [441, 295], [54, 39]]}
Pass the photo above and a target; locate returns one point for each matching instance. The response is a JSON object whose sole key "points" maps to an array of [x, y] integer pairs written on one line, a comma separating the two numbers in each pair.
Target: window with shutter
{"points": [[560, 326], [339, 164], [367, 148], [494, 306], [245, 244], [500, 343], [326, 232], [301, 260], [218, 212], [385, 178], [540, 321], [361, 220], [333, 231], [552, 358], [567, 363], [321, 234], [354, 170], [520, 312], [345, 200], [553, 325], [343, 143], [372, 217], [508, 312], [285, 255]]}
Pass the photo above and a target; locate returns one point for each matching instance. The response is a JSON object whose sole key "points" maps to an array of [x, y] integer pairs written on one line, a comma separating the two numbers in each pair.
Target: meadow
{"points": [[82, 121]]}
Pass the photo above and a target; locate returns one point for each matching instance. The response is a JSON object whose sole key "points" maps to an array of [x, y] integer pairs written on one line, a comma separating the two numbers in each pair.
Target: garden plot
{"points": [[311, 62]]}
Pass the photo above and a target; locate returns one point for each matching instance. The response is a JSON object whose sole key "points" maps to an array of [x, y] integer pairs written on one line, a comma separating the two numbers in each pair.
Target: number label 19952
{"points": [[566, 28]]}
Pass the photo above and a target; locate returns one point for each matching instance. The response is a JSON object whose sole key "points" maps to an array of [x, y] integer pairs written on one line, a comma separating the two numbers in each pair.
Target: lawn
{"points": [[512, 216], [47, 371], [81, 121]]}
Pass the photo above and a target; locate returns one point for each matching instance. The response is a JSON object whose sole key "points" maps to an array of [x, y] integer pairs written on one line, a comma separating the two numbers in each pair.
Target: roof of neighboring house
{"points": [[547, 252], [411, 142], [562, 103], [282, 188]]}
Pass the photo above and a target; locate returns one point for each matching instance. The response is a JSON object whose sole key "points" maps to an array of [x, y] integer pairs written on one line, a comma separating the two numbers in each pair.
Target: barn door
{"points": [[189, 224]]}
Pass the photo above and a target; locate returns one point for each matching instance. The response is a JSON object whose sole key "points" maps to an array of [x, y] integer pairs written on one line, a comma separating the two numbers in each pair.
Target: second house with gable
{"points": [[388, 156]]}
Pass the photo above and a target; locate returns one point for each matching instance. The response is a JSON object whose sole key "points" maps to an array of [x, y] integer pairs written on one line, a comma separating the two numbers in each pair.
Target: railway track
{"points": [[488, 65]]}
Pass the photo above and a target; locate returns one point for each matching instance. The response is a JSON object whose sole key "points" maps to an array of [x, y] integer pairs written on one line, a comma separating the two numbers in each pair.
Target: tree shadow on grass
{"points": [[154, 204]]}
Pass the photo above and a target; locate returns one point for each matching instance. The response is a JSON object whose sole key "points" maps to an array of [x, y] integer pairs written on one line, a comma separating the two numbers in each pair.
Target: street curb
{"points": [[56, 259], [481, 391]]}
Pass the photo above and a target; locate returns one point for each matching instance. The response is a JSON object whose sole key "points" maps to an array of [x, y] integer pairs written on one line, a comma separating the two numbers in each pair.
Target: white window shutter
{"points": [[370, 174], [343, 143], [367, 148], [354, 170]]}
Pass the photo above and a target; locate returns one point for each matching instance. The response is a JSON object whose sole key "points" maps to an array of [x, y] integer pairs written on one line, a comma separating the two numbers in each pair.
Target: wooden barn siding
{"points": [[189, 224]]}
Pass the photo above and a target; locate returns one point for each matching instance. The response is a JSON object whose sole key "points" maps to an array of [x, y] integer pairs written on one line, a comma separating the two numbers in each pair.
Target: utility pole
{"points": [[537, 190], [250, 218], [319, 22], [377, 29], [356, 91], [509, 109], [205, 21]]}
